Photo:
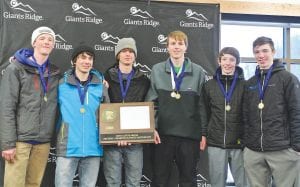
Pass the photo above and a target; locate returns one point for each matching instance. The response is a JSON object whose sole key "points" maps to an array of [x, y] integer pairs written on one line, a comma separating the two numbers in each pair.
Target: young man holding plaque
{"points": [[176, 88], [224, 95], [271, 114], [80, 93], [28, 107], [126, 84]]}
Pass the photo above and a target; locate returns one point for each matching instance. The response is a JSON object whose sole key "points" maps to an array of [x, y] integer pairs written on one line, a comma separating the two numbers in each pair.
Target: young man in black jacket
{"points": [[224, 95], [271, 114], [126, 84]]}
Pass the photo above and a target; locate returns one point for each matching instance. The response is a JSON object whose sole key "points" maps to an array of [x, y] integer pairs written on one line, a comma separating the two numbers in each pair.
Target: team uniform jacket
{"points": [[277, 125], [138, 88], [225, 128]]}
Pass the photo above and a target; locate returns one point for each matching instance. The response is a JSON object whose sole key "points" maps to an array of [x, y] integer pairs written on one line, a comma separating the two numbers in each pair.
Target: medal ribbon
{"points": [[128, 80], [227, 95], [177, 78], [262, 88], [82, 92], [42, 69]]}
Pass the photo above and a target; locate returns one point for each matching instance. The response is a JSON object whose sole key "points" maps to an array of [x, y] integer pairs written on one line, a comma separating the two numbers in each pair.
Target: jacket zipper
{"points": [[225, 115], [261, 120]]}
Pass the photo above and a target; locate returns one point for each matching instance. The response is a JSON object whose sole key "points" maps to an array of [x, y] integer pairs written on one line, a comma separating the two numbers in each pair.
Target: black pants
{"points": [[184, 152]]}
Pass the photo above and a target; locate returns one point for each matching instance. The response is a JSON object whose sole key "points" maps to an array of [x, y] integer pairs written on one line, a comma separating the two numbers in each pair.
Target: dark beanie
{"points": [[80, 49]]}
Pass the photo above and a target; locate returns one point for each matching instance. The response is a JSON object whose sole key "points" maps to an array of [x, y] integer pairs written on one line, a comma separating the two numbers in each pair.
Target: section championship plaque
{"points": [[132, 122]]}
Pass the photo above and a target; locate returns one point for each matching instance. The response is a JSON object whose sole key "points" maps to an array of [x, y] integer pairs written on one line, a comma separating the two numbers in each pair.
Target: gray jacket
{"points": [[24, 115]]}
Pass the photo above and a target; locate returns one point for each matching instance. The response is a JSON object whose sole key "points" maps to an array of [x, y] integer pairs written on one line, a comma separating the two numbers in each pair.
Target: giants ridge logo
{"points": [[26, 12], [162, 40], [89, 16], [110, 40], [198, 20], [140, 18]]}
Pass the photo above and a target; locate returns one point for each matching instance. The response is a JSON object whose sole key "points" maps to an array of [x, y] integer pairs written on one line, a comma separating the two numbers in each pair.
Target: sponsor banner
{"points": [[101, 24]]}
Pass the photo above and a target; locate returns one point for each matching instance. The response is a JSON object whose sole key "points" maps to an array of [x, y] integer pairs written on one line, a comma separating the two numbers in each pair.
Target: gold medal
{"points": [[261, 105], [82, 110], [177, 96], [45, 98], [227, 107], [173, 94]]}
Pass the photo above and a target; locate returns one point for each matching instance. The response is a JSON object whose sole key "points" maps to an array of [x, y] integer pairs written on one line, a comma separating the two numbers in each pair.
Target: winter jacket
{"points": [[24, 114], [179, 117], [138, 88], [78, 132], [277, 125], [224, 127]]}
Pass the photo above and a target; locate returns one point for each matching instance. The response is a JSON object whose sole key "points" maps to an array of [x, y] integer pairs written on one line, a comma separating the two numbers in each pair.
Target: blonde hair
{"points": [[179, 36]]}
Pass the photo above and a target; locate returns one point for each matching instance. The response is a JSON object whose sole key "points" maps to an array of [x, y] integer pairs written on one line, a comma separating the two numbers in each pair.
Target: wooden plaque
{"points": [[132, 122]]}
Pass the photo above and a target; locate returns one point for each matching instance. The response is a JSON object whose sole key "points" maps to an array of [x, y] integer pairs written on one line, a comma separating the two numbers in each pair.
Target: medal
{"points": [[173, 94], [262, 87], [261, 105], [82, 110], [177, 96], [227, 93], [227, 107], [176, 79], [45, 98]]}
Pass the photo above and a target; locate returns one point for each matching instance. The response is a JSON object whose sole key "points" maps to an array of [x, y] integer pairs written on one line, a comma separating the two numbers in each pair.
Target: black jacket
{"points": [[277, 125], [224, 127], [138, 88]]}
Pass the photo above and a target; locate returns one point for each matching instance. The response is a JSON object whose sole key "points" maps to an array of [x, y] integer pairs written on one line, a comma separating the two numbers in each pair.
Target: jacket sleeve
{"points": [[152, 95], [292, 96], [202, 106], [105, 95], [245, 113], [9, 91], [207, 108]]}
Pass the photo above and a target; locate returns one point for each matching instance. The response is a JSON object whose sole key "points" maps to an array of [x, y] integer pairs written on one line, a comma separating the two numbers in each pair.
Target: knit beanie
{"points": [[80, 49], [42, 30], [125, 43]]}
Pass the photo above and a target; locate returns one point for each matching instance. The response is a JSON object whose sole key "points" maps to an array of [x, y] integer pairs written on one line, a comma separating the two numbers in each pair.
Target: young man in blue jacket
{"points": [[80, 93]]}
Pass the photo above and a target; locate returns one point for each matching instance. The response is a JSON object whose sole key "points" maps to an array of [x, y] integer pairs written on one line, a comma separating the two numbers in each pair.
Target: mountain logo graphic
{"points": [[140, 13], [190, 14], [14, 4], [78, 9]]}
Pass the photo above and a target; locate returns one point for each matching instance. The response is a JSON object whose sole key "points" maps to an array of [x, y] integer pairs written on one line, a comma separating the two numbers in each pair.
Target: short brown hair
{"points": [[178, 35]]}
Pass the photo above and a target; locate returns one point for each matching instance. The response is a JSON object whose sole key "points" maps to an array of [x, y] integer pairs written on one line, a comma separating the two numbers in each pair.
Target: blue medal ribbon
{"points": [[42, 69], [262, 88], [128, 80], [82, 92], [227, 95], [177, 78]]}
